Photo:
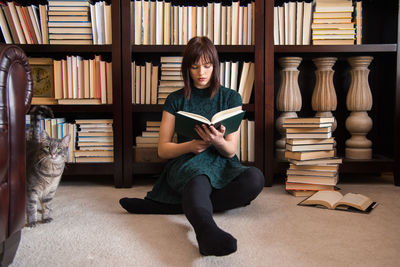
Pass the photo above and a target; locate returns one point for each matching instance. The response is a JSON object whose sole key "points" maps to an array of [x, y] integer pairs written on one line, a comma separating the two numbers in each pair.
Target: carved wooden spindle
{"points": [[324, 99], [359, 101], [288, 99]]}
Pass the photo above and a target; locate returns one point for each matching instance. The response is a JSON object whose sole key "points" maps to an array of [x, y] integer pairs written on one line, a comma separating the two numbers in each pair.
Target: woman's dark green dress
{"points": [[178, 171]]}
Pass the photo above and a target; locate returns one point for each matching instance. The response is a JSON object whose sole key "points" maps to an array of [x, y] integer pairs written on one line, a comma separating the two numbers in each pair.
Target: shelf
{"points": [[82, 108], [179, 48], [158, 108], [31, 49], [370, 48], [89, 169]]}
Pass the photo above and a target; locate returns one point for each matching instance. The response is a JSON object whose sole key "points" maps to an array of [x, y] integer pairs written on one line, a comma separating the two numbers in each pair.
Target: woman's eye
{"points": [[194, 67], [208, 66]]}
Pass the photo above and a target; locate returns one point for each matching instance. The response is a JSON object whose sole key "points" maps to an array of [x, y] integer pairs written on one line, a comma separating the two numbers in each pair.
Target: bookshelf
{"points": [[111, 52], [135, 115], [380, 40]]}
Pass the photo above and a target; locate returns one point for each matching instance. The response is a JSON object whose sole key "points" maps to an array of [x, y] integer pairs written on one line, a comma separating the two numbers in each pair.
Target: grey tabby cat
{"points": [[45, 162]]}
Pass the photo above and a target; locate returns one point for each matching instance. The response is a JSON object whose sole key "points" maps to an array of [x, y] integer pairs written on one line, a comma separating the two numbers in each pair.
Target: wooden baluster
{"points": [[324, 99], [359, 101], [288, 99]]}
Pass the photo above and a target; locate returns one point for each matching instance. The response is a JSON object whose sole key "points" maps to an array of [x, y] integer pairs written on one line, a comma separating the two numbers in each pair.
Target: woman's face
{"points": [[201, 73]]}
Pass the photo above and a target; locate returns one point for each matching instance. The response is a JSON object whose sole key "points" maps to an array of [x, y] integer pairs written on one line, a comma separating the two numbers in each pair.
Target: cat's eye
{"points": [[46, 148], [59, 149]]}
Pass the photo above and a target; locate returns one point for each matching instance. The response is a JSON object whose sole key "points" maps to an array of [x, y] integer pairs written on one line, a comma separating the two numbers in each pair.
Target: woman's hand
{"points": [[198, 146], [211, 135], [226, 145]]}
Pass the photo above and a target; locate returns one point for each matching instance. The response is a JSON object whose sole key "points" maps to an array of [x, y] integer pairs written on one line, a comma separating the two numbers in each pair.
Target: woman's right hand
{"points": [[198, 146]]}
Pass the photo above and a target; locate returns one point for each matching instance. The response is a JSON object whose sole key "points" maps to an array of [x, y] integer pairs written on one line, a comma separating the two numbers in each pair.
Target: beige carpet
{"points": [[90, 229]]}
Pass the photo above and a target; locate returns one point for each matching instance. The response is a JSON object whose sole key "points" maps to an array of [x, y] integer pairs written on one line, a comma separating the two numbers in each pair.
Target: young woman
{"points": [[202, 175]]}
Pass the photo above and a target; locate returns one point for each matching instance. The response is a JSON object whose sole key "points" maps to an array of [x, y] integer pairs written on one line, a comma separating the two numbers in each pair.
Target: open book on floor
{"points": [[335, 200], [185, 122]]}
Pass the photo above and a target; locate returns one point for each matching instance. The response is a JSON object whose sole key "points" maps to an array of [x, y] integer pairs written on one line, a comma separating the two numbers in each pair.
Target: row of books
{"points": [[152, 21], [322, 21], [79, 81], [59, 22], [94, 140], [148, 88], [311, 154], [91, 139]]}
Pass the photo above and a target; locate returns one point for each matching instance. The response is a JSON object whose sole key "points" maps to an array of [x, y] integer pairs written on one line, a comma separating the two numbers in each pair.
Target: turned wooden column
{"points": [[359, 101], [324, 99], [288, 99]]}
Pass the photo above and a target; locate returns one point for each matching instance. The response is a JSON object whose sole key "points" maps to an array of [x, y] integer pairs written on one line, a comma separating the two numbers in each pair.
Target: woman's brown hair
{"points": [[200, 48]]}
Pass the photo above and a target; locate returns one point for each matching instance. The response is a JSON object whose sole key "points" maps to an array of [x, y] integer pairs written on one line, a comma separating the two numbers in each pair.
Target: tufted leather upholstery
{"points": [[15, 98]]}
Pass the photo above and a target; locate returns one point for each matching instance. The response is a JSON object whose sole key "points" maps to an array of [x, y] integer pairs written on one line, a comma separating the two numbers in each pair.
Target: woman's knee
{"points": [[253, 180]]}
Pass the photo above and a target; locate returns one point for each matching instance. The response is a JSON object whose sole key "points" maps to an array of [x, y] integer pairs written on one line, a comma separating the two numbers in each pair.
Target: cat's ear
{"points": [[44, 136], [65, 140]]}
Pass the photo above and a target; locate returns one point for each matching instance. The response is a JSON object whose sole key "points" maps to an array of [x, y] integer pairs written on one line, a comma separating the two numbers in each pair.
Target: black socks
{"points": [[146, 206]]}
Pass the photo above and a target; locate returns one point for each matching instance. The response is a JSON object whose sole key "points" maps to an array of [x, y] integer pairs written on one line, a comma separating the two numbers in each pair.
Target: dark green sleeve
{"points": [[173, 102], [234, 100]]}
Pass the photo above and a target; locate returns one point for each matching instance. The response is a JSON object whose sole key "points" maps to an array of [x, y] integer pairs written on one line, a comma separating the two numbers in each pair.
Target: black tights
{"points": [[199, 201]]}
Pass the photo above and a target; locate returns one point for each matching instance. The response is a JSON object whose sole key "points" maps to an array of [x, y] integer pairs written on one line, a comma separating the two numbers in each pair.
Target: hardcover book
{"points": [[185, 122], [335, 200]]}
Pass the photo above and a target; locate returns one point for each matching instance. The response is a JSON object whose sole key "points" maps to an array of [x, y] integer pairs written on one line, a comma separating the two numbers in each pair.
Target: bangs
{"points": [[203, 54]]}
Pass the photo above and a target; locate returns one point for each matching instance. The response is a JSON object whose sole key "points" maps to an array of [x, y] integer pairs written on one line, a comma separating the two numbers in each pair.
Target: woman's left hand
{"points": [[211, 135]]}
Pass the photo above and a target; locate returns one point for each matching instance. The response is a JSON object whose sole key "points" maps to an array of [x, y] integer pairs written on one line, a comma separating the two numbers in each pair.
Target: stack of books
{"points": [[332, 22], [171, 78], [95, 141], [149, 137], [311, 154], [69, 22]]}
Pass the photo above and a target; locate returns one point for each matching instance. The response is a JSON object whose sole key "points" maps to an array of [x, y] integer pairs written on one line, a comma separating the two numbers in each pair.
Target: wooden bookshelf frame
{"points": [[374, 46], [131, 111]]}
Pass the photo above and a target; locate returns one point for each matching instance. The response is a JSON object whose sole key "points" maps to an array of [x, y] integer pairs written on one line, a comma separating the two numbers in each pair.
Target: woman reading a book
{"points": [[202, 175]]}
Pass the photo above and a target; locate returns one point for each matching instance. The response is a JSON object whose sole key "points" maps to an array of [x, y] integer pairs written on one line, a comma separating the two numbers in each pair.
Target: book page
{"points": [[219, 116], [355, 200], [325, 198], [194, 116]]}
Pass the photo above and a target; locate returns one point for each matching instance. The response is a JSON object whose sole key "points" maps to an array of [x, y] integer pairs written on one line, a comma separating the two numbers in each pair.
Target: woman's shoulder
{"points": [[230, 94]]}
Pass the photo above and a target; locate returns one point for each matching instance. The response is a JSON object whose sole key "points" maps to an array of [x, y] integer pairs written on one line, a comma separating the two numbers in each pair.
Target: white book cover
{"points": [[159, 22], [217, 23], [299, 23]]}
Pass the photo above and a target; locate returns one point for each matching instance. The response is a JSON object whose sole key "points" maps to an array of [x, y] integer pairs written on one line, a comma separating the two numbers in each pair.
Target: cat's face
{"points": [[52, 148]]}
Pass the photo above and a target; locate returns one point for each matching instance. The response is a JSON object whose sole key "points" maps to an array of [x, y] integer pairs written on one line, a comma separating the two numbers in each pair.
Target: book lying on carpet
{"points": [[335, 200], [185, 122]]}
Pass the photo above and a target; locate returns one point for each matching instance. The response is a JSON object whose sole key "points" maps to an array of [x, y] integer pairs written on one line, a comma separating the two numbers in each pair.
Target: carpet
{"points": [[91, 229]]}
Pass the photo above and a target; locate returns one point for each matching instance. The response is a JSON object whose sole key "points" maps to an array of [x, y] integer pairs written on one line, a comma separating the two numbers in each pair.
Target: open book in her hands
{"points": [[185, 122], [335, 200]]}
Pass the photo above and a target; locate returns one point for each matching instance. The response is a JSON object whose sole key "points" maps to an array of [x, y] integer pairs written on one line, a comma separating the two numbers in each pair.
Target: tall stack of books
{"points": [[309, 149], [95, 141], [333, 22], [69, 22], [171, 78]]}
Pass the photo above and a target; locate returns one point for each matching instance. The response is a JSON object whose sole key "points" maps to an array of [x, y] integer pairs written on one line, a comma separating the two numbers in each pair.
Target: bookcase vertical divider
{"points": [[119, 179], [259, 86], [269, 92], [126, 58], [397, 110]]}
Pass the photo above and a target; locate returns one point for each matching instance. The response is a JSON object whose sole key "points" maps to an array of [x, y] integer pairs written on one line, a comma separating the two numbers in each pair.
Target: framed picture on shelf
{"points": [[43, 81]]}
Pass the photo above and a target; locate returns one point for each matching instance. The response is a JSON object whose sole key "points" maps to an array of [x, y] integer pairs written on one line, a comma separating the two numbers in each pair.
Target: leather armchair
{"points": [[15, 98]]}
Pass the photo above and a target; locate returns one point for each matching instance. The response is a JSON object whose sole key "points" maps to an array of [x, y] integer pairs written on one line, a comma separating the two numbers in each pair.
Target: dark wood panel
{"points": [[89, 169], [38, 48], [180, 48], [370, 48], [158, 108], [82, 108]]}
